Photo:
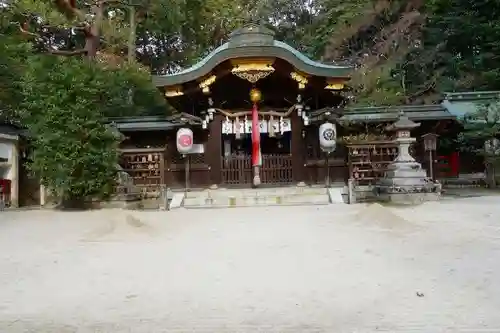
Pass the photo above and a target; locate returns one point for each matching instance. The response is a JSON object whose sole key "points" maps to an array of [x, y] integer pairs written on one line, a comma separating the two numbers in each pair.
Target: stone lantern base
{"points": [[407, 183]]}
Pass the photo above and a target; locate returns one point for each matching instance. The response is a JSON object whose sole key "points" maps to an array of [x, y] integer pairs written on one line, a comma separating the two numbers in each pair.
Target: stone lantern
{"points": [[405, 182], [402, 127]]}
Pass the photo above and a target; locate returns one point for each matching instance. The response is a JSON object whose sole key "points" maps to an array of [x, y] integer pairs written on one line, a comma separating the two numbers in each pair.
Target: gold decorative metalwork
{"points": [[255, 95], [335, 86], [174, 92], [301, 80], [253, 72], [205, 84]]}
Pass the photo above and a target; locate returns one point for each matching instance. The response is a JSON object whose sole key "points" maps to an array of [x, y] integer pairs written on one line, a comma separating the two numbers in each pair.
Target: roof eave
{"points": [[471, 95], [272, 51]]}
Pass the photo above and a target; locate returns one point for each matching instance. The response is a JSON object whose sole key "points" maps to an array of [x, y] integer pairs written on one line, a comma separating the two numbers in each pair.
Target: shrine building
{"points": [[255, 79]]}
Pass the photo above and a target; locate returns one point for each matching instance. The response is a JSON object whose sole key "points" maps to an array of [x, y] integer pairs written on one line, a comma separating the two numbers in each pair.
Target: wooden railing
{"points": [[237, 170], [275, 169]]}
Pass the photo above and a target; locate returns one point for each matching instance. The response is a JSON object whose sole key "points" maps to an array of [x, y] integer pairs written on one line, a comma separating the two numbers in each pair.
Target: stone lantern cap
{"points": [[403, 123]]}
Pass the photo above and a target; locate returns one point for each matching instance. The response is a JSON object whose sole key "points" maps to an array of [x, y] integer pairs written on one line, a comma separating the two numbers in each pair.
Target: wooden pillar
{"points": [[167, 160], [213, 151], [298, 151]]}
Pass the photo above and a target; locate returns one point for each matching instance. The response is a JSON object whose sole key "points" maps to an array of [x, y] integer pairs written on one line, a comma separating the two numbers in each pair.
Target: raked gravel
{"points": [[337, 268]]}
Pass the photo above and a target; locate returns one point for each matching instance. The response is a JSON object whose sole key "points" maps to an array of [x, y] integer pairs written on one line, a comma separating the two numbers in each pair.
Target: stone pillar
{"points": [[298, 151], [213, 151], [43, 199]]}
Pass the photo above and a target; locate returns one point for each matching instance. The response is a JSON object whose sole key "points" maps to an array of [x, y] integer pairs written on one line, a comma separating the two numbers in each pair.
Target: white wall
{"points": [[6, 149]]}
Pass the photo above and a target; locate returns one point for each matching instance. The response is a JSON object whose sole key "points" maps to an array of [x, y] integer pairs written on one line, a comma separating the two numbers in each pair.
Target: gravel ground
{"points": [[338, 268]]}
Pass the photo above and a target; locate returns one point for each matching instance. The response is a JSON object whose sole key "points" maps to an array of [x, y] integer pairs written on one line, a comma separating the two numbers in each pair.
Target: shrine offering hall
{"points": [[260, 113]]}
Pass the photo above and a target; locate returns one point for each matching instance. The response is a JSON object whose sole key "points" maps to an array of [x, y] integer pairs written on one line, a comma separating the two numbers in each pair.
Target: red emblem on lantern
{"points": [[185, 140]]}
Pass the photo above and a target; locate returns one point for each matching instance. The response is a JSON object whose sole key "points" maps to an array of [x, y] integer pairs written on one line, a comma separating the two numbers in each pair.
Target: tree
{"points": [[457, 48], [13, 54], [74, 151], [64, 86]]}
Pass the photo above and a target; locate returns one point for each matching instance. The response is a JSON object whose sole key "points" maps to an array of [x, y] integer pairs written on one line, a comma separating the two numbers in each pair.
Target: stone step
{"points": [[255, 201], [253, 193]]}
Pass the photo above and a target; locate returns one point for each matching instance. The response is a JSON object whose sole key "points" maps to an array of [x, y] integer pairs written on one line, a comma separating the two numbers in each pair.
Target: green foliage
{"points": [[64, 101], [12, 54], [114, 90], [74, 152], [460, 46], [480, 126]]}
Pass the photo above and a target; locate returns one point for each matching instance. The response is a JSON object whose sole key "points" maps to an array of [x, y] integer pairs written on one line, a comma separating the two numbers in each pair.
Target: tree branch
{"points": [[67, 53], [49, 48], [24, 31]]}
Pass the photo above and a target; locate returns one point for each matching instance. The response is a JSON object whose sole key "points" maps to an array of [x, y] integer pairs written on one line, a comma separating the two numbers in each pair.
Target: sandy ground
{"points": [[336, 268]]}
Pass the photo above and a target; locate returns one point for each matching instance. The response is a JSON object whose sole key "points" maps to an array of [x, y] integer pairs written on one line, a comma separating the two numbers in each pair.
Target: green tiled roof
{"points": [[253, 41], [152, 123], [391, 113], [467, 103]]}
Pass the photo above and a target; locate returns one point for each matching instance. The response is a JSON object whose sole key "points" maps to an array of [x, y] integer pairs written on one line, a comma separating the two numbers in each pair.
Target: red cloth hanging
{"points": [[5, 186], [454, 161], [256, 154]]}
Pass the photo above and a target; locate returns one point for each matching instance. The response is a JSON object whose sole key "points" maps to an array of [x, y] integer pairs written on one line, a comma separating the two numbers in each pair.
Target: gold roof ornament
{"points": [[301, 79], [205, 84], [335, 85], [253, 71], [174, 92]]}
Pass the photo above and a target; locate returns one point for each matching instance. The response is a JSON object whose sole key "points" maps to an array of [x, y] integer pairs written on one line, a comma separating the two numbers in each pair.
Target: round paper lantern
{"points": [[184, 140], [327, 137]]}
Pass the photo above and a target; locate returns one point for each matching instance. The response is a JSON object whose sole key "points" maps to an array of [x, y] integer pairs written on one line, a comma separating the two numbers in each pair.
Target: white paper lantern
{"points": [[328, 137], [184, 140]]}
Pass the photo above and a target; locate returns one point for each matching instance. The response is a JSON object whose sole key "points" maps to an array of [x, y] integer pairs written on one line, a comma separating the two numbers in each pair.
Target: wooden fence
{"points": [[275, 169]]}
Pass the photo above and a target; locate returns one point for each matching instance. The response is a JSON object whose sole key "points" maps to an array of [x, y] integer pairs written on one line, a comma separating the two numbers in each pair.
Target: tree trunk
{"points": [[93, 37]]}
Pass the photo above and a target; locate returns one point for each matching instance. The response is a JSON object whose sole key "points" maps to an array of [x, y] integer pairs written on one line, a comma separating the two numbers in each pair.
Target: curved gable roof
{"points": [[252, 41]]}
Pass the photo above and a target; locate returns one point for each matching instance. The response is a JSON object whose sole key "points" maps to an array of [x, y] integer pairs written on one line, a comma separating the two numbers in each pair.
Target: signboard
{"points": [[184, 140], [197, 148], [327, 137]]}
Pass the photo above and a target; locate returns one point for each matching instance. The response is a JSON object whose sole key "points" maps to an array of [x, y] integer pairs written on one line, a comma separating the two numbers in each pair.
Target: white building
{"points": [[9, 161]]}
